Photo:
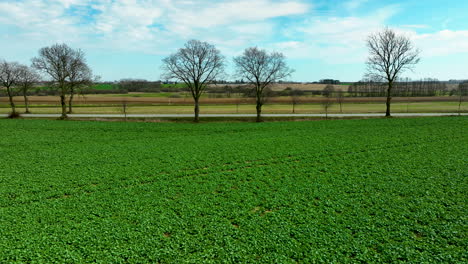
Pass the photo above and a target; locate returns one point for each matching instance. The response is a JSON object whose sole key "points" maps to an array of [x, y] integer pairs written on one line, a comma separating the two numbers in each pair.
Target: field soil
{"points": [[106, 99], [296, 86]]}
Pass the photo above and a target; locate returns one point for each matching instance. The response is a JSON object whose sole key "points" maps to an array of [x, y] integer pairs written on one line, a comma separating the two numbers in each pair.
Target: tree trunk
{"points": [[70, 101], [389, 98], [197, 111], [259, 112], [124, 108], [459, 103], [64, 107], [12, 104], [26, 103]]}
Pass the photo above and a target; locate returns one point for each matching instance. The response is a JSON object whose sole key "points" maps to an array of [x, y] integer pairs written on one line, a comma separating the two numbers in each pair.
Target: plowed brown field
{"points": [[93, 100]]}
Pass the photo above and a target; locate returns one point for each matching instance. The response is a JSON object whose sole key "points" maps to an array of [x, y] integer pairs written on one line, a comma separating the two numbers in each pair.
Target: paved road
{"points": [[231, 115]]}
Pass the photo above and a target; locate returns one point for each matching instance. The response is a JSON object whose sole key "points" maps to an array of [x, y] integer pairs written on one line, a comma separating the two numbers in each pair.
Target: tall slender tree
{"points": [[328, 94], [462, 91], [27, 78], [261, 69], [389, 55], [80, 76], [196, 64]]}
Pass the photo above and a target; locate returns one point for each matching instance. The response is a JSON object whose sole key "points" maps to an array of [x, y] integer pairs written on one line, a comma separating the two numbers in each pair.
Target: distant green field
{"points": [[177, 85], [162, 94], [344, 191], [110, 86], [99, 86], [104, 86]]}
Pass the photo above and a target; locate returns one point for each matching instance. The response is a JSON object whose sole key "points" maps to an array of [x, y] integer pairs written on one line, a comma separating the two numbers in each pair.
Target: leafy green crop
{"points": [[340, 191]]}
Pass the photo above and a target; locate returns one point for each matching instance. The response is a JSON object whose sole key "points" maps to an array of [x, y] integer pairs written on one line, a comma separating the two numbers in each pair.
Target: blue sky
{"points": [[321, 39]]}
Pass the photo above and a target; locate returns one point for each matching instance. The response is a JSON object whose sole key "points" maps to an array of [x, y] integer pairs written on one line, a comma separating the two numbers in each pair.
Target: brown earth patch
{"points": [[109, 100]]}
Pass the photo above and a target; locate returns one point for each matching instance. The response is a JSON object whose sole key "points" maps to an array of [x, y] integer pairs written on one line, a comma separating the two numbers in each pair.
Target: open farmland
{"points": [[139, 103], [344, 191], [312, 108], [141, 98]]}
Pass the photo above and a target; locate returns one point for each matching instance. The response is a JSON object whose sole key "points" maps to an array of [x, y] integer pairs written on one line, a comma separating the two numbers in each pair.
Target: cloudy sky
{"points": [[321, 38]]}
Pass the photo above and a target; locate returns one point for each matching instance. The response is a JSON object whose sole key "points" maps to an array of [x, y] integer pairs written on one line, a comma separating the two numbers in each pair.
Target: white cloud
{"points": [[125, 13], [147, 25], [231, 12], [415, 26], [342, 39], [335, 39], [442, 43]]}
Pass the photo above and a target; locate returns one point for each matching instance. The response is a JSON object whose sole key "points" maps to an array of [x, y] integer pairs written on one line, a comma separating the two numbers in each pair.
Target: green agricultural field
{"points": [[339, 191], [98, 86], [171, 85], [162, 94], [104, 86]]}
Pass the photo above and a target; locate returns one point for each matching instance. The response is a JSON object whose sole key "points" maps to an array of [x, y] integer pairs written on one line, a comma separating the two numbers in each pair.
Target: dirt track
{"points": [[92, 100]]}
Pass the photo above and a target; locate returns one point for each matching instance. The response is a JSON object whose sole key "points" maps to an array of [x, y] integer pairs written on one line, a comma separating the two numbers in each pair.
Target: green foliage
{"points": [[342, 191], [163, 95]]}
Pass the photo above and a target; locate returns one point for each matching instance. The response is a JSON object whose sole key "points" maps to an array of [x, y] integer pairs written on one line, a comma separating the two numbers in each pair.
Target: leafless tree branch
{"points": [[390, 54], [66, 67], [261, 69], [196, 64], [9, 78], [27, 78]]}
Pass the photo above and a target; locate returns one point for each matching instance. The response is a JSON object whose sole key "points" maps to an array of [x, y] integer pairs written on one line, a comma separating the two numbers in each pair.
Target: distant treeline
{"points": [[405, 88], [402, 88], [462, 89]]}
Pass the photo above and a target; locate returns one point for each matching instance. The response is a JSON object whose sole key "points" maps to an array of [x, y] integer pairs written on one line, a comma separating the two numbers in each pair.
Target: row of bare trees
{"points": [[15, 78], [65, 67], [198, 64]]}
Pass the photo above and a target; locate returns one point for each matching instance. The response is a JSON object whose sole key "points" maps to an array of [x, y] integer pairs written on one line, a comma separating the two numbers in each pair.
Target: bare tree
{"points": [[389, 55], [328, 93], [9, 77], [124, 108], [295, 95], [462, 91], [80, 75], [340, 99], [196, 64], [27, 78], [261, 69], [58, 61]]}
